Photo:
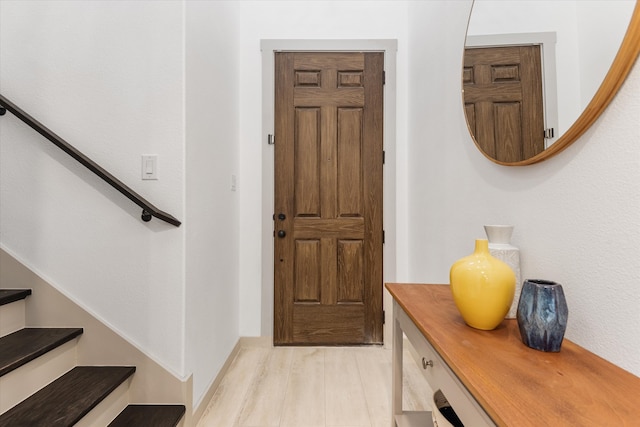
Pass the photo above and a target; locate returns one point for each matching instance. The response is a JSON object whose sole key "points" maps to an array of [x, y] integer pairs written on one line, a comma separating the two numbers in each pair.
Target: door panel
{"points": [[328, 185], [349, 161], [307, 162], [307, 271], [350, 271]]}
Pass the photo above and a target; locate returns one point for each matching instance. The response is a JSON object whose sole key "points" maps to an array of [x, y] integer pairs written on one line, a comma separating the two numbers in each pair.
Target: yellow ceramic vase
{"points": [[483, 287]]}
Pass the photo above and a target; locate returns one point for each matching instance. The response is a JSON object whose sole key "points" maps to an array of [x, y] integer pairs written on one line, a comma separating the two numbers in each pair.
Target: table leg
{"points": [[396, 373]]}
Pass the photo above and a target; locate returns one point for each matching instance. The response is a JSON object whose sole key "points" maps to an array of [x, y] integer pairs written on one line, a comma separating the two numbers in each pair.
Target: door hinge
{"points": [[384, 77], [384, 157], [271, 140], [383, 237], [549, 133], [383, 316]]}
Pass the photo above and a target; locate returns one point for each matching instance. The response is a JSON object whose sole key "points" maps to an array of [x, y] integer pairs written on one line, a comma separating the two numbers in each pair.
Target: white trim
{"points": [[547, 42], [268, 47], [201, 406]]}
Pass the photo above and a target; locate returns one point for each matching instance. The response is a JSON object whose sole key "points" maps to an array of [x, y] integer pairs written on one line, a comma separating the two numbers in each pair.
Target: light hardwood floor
{"points": [[312, 386]]}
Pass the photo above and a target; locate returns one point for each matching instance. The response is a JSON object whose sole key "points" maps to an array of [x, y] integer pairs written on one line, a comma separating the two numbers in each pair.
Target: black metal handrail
{"points": [[148, 210]]}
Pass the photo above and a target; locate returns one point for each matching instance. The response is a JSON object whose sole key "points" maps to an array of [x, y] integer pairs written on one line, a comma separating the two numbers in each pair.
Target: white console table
{"points": [[491, 378]]}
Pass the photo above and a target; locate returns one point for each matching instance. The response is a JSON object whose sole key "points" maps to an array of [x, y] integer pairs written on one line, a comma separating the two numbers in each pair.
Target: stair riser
{"points": [[27, 379], [12, 317], [108, 409]]}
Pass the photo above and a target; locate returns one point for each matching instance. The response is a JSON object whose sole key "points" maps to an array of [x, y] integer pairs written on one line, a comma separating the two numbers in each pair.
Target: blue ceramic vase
{"points": [[542, 315]]}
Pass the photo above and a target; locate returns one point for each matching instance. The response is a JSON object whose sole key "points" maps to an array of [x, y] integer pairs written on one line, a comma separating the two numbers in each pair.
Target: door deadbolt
{"points": [[282, 216]]}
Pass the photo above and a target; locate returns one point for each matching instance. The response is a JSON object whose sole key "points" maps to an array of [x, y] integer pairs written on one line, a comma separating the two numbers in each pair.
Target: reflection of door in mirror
{"points": [[580, 41], [503, 101]]}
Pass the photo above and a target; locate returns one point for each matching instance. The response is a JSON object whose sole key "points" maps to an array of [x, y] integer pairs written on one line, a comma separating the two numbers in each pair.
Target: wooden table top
{"points": [[516, 385]]}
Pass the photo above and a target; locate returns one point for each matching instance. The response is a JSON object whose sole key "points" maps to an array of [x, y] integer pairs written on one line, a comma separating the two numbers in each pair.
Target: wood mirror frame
{"points": [[620, 68]]}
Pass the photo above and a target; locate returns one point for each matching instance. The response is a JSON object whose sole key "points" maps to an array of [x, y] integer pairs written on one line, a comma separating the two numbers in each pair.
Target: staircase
{"points": [[41, 384]]}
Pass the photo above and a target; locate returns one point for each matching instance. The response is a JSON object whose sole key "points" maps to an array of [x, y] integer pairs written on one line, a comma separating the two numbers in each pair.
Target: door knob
{"points": [[281, 233], [426, 363]]}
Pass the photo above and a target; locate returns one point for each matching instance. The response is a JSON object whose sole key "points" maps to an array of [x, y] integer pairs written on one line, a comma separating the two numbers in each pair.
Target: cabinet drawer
{"points": [[439, 376]]}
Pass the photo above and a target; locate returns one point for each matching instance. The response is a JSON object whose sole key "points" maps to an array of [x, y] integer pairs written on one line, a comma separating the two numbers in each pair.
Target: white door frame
{"points": [[268, 47]]}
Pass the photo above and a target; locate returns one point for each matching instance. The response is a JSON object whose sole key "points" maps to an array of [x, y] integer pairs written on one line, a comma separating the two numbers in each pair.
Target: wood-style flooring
{"points": [[312, 387]]}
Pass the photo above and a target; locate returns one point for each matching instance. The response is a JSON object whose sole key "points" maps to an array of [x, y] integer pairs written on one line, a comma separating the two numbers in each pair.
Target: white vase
{"points": [[500, 247]]}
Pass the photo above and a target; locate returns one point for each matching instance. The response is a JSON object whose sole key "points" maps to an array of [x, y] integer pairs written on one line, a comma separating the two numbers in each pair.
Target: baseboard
{"points": [[243, 342], [263, 342], [198, 411]]}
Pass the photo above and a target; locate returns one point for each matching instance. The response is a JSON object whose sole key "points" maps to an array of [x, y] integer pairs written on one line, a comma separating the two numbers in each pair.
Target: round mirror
{"points": [[538, 73]]}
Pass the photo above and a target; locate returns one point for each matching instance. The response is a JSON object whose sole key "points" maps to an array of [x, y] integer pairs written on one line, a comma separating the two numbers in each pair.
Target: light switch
{"points": [[149, 166]]}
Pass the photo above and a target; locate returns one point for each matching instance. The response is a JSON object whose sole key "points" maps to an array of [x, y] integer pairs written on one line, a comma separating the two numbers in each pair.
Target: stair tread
{"points": [[8, 296], [149, 416], [66, 400], [21, 347]]}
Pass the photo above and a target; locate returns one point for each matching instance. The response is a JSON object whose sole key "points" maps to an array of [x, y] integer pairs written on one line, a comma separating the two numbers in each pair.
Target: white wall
{"points": [[292, 20], [111, 76], [575, 215], [601, 28], [212, 304], [108, 77], [117, 80], [447, 189]]}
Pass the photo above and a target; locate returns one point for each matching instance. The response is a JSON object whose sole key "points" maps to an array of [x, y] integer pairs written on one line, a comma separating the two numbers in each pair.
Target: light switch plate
{"points": [[149, 166]]}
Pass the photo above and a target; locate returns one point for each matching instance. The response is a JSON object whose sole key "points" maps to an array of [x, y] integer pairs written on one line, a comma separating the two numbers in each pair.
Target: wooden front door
{"points": [[503, 100], [328, 198]]}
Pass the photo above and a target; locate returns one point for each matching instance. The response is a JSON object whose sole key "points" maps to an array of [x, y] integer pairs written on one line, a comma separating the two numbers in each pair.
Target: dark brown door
{"points": [[328, 198], [503, 100]]}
